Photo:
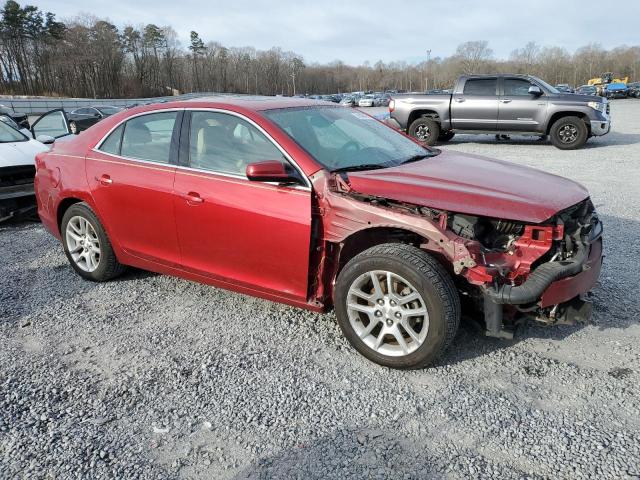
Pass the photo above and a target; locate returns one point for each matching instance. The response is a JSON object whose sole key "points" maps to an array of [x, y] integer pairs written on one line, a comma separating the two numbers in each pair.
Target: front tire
{"points": [[569, 133], [87, 246], [397, 306], [425, 130]]}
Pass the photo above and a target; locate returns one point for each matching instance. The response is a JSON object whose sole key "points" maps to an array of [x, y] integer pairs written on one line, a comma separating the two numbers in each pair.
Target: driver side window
{"points": [[516, 87]]}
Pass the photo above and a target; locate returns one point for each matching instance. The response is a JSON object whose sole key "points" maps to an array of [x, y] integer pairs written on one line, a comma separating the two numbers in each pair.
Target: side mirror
{"points": [[97, 115], [535, 90], [46, 139], [271, 171]]}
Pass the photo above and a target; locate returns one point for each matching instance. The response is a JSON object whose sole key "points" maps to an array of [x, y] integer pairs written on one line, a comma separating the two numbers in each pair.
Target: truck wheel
{"points": [[87, 246], [397, 306], [446, 136], [569, 133], [426, 130]]}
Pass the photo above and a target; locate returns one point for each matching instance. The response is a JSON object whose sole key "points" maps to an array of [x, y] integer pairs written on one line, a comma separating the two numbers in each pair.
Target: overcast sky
{"points": [[359, 31]]}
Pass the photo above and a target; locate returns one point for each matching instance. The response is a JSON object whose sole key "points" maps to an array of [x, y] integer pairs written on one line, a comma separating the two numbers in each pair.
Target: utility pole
{"points": [[426, 72]]}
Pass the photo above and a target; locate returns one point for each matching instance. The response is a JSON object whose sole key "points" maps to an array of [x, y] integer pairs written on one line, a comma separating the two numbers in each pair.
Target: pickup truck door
{"points": [[518, 110], [476, 106]]}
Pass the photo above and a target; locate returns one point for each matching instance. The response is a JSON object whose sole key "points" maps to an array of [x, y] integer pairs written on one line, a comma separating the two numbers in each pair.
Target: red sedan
{"points": [[320, 206]]}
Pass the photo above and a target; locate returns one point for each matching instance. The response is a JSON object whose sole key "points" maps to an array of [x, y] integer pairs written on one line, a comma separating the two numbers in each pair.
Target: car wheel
{"points": [[569, 133], [446, 136], [73, 127], [87, 246], [426, 130], [397, 306]]}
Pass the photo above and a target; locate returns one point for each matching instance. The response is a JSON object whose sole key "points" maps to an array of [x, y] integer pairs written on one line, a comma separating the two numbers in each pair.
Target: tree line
{"points": [[91, 57]]}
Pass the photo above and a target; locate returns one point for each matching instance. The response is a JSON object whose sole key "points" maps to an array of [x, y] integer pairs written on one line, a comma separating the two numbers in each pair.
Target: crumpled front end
{"points": [[505, 268]]}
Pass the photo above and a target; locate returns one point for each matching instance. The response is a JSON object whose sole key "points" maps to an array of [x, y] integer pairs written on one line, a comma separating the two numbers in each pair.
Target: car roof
{"points": [[251, 102]]}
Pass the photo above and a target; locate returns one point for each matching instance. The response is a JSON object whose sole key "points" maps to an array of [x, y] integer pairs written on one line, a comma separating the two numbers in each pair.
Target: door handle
{"points": [[193, 198], [459, 100], [505, 100], [104, 179]]}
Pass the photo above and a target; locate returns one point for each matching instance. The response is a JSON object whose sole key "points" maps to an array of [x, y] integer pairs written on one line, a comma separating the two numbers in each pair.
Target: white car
{"points": [[18, 151], [366, 101]]}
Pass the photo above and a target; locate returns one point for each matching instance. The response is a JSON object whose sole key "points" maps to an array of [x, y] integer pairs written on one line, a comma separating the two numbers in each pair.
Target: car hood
{"points": [[20, 153], [473, 185]]}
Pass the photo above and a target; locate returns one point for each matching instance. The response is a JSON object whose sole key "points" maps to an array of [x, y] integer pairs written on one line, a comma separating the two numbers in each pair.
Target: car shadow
{"points": [[612, 138]]}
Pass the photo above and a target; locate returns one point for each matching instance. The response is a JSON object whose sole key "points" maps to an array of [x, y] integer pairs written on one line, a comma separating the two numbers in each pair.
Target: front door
{"points": [[252, 234], [130, 175], [518, 110], [476, 107]]}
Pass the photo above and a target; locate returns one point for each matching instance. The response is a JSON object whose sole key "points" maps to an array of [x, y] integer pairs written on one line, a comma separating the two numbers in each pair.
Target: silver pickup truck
{"points": [[502, 105]]}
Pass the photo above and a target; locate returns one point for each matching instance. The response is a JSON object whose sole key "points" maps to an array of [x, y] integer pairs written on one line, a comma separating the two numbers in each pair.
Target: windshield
{"points": [[10, 135], [343, 139], [109, 110], [546, 86]]}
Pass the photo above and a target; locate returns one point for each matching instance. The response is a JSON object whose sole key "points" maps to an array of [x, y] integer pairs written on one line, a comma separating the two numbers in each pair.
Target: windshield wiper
{"points": [[415, 158], [356, 168]]}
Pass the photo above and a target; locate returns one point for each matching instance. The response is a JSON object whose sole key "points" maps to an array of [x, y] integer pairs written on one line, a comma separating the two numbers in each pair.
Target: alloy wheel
{"points": [[83, 243], [423, 133], [568, 133], [387, 313]]}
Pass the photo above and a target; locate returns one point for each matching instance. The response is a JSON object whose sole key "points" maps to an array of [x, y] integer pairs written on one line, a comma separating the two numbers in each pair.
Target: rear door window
{"points": [[113, 142], [148, 137], [480, 86]]}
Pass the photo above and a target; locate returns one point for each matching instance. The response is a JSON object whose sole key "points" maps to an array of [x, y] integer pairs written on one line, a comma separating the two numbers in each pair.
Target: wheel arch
{"points": [[63, 206], [558, 115], [422, 112]]}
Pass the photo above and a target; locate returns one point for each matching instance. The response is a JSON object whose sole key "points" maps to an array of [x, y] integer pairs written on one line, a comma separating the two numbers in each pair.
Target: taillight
{"points": [[392, 106]]}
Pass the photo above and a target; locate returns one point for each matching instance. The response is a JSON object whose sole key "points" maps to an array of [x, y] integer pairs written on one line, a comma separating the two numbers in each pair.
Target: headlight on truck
{"points": [[600, 106]]}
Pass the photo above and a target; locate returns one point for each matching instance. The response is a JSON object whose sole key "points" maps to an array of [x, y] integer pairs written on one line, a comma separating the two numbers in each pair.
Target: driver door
{"points": [[53, 124], [251, 234]]}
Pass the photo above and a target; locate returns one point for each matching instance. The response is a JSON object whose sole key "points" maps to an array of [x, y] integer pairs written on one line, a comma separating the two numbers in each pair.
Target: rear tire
{"points": [[569, 133], [425, 130], [87, 246], [373, 315]]}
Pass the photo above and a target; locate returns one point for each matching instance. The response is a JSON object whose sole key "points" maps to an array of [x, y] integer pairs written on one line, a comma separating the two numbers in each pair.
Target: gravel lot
{"points": [[155, 377]]}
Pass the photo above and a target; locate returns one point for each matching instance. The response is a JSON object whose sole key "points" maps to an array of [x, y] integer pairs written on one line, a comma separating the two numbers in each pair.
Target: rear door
{"points": [[518, 110], [130, 175], [53, 124], [476, 106]]}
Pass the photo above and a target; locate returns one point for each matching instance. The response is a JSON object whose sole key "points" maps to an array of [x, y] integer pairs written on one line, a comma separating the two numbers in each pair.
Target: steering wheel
{"points": [[350, 146]]}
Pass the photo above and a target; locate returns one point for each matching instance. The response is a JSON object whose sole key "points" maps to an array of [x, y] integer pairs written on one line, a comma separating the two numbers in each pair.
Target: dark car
{"points": [[564, 88], [82, 118], [20, 118], [633, 89], [616, 90], [587, 90]]}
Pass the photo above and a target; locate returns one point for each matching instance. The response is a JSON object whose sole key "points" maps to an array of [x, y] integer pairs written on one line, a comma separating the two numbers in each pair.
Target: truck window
{"points": [[480, 86], [516, 87]]}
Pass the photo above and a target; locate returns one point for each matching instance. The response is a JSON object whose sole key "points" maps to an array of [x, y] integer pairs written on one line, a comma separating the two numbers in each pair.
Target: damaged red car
{"points": [[320, 206]]}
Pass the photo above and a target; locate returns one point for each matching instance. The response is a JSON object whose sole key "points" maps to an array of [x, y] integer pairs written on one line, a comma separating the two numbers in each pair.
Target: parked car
{"points": [[320, 206], [502, 104], [366, 101], [382, 100], [18, 150], [587, 90], [564, 88], [634, 89], [82, 118], [616, 90], [349, 101], [20, 118]]}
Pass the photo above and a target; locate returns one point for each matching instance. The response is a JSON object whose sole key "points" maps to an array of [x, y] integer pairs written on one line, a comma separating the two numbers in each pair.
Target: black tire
{"points": [[569, 133], [425, 129], [108, 265], [430, 280], [73, 127], [446, 136]]}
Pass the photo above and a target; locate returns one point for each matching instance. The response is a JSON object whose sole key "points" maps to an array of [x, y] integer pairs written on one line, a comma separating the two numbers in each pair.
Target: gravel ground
{"points": [[155, 377]]}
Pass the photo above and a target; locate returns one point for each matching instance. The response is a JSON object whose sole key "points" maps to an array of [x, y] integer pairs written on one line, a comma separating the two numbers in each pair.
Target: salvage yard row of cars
{"points": [[365, 219]]}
